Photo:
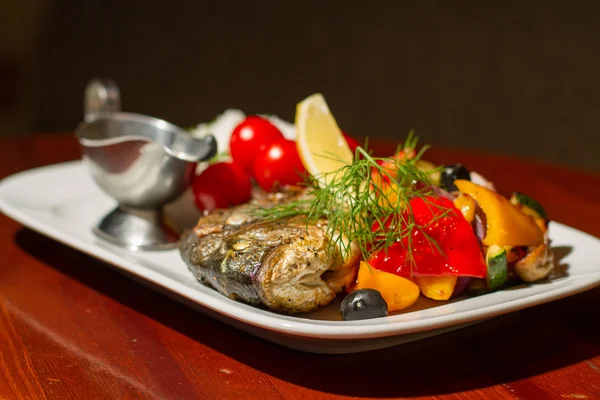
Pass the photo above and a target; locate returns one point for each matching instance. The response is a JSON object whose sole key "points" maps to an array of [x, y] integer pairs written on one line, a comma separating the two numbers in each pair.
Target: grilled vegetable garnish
{"points": [[467, 206], [437, 287], [398, 292], [497, 267], [532, 208], [506, 224], [537, 265]]}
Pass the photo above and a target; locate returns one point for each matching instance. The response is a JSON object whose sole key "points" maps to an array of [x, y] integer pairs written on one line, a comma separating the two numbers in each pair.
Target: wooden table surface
{"points": [[71, 328]]}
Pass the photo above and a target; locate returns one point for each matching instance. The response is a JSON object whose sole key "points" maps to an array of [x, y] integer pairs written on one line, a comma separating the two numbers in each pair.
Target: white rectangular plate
{"points": [[63, 202]]}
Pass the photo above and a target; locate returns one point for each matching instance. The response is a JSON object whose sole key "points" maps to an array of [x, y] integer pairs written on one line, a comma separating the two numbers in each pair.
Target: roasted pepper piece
{"points": [[456, 250], [398, 292], [506, 224], [466, 204], [437, 287]]}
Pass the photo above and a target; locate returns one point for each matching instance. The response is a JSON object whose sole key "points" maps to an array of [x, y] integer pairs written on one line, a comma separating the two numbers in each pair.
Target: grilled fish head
{"points": [[303, 273]]}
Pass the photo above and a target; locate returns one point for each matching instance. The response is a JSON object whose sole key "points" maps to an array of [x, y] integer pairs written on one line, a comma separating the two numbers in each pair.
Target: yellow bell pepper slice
{"points": [[541, 222], [466, 204], [506, 224], [398, 292], [436, 287]]}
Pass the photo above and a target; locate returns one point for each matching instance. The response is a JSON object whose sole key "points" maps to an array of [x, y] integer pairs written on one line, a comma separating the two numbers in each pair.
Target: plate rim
{"points": [[288, 325]]}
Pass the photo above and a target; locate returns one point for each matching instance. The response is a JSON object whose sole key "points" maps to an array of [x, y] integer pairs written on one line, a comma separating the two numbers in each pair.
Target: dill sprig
{"points": [[366, 202]]}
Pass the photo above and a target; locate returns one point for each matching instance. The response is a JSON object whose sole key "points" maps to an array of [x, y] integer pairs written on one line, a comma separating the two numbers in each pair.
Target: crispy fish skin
{"points": [[284, 265]]}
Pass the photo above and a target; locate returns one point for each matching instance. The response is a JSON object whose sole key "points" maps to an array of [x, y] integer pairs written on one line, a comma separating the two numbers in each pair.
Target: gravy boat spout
{"points": [[122, 127]]}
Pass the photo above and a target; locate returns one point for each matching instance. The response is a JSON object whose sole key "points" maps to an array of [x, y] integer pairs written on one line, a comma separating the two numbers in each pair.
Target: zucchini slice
{"points": [[520, 199], [497, 267]]}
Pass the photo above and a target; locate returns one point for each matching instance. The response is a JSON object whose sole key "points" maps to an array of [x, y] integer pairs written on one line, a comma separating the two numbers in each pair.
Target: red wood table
{"points": [[71, 328]]}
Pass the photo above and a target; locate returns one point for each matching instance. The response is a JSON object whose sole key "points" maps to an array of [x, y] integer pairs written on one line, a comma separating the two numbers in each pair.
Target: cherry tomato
{"points": [[279, 162], [250, 137], [221, 185]]}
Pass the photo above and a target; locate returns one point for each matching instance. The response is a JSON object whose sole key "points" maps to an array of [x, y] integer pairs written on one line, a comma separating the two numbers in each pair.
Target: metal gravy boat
{"points": [[140, 161]]}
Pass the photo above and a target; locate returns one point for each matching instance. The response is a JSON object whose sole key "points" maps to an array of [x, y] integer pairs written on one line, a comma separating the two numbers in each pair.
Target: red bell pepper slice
{"points": [[439, 219]]}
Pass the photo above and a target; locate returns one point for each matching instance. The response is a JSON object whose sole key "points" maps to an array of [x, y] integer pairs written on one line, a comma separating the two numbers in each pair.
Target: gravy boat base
{"points": [[136, 230]]}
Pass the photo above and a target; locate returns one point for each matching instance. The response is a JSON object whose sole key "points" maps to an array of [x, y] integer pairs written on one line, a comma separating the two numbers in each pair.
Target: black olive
{"points": [[452, 173], [363, 304]]}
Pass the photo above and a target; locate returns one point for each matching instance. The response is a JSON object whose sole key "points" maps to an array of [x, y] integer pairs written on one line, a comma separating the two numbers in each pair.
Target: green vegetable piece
{"points": [[526, 201], [497, 267]]}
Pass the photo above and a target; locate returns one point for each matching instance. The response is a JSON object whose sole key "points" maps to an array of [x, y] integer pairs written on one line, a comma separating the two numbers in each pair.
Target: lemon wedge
{"points": [[319, 139]]}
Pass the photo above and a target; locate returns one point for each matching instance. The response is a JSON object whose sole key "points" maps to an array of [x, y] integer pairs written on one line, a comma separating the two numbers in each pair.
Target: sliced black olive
{"points": [[363, 304], [450, 173]]}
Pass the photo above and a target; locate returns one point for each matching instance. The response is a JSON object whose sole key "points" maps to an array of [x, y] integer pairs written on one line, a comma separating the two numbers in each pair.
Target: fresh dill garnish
{"points": [[366, 202]]}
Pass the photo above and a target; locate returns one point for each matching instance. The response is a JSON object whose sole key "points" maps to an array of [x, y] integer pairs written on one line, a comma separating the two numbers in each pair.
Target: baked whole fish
{"points": [[283, 265]]}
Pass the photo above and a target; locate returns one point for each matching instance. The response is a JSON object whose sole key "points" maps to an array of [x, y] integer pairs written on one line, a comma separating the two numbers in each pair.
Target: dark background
{"points": [[516, 77]]}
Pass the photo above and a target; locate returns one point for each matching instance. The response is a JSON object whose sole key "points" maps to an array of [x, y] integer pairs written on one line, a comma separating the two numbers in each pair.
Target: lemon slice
{"points": [[319, 140]]}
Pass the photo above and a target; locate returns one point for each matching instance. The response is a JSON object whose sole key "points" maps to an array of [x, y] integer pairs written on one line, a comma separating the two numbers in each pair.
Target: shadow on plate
{"points": [[560, 268], [503, 350]]}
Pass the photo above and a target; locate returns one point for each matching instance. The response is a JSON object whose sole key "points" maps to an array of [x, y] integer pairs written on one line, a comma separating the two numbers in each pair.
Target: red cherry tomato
{"points": [[250, 137], [352, 143], [279, 162], [221, 185]]}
